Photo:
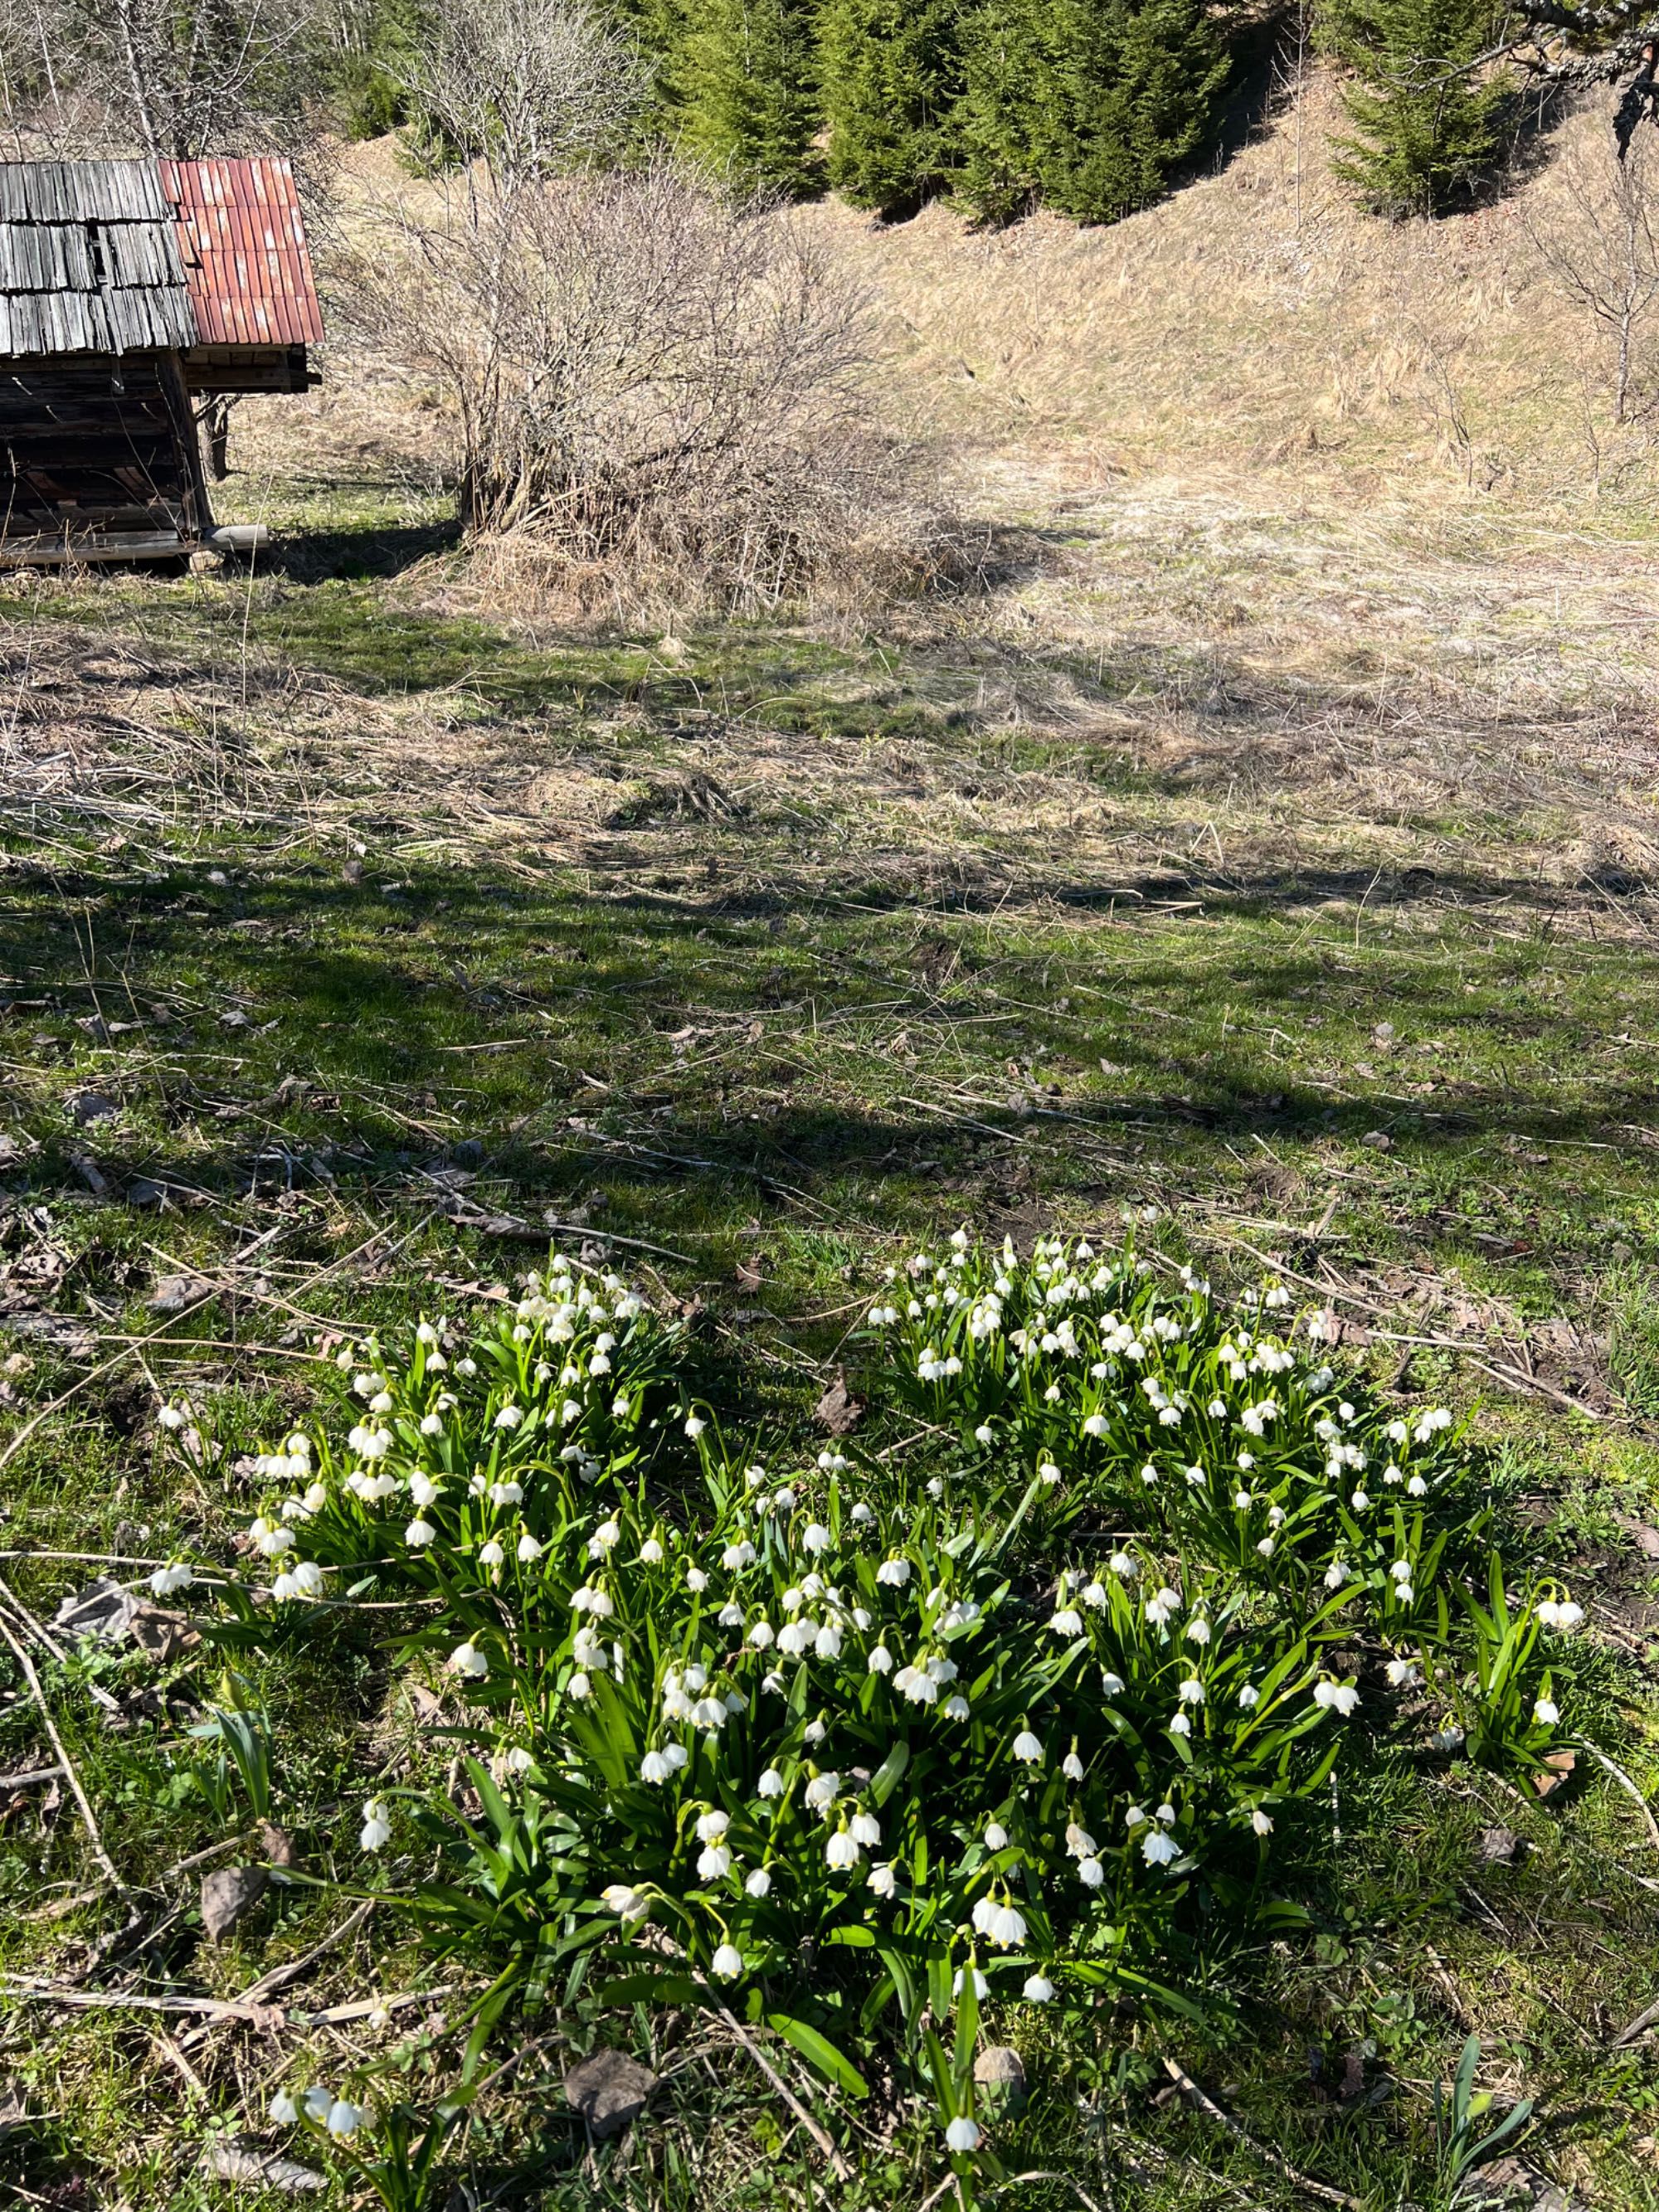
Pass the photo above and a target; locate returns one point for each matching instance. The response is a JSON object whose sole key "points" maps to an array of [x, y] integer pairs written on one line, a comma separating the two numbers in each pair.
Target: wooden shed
{"points": [[132, 295]]}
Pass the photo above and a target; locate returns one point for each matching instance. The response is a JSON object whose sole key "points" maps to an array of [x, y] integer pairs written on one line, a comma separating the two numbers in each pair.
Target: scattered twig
{"points": [[30, 1780], [1631, 2029], [279, 1977], [838, 2165], [1207, 2106], [64, 1760], [1626, 1785]]}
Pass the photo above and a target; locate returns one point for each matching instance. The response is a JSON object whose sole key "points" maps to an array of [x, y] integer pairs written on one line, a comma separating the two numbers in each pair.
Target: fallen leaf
{"points": [[749, 1273], [229, 1895], [1497, 1846], [1556, 1769], [838, 1410], [610, 2090]]}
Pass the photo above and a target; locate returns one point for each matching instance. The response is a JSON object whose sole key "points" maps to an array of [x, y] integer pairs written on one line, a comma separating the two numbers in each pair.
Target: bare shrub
{"points": [[532, 88], [1599, 239], [646, 379], [96, 76]]}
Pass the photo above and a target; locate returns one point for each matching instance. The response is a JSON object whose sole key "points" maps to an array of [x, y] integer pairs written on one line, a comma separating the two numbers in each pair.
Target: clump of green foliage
{"points": [[1432, 127], [855, 1748]]}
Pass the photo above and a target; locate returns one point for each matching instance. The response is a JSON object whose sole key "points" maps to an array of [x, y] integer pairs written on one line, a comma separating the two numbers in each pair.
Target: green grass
{"points": [[923, 961]]}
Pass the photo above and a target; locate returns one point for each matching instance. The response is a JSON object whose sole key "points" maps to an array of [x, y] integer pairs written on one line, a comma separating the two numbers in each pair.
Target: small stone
{"points": [[239, 2158], [89, 1106], [610, 2090], [173, 1293], [1377, 1141], [1497, 1847], [229, 1895], [1001, 2072]]}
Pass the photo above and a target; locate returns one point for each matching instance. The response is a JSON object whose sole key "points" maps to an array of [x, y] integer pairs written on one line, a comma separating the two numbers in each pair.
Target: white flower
{"points": [[505, 1493], [1402, 1674], [1197, 1631], [344, 2119], [1048, 1473], [714, 1863], [1094, 1426], [841, 1851], [1545, 1712], [815, 1537], [510, 1416], [711, 1826], [962, 2134], [1110, 1683], [1038, 1990], [529, 1548], [1180, 1725], [317, 2101], [469, 1662], [894, 1572], [1026, 1747], [651, 1553], [866, 1829], [1006, 1927], [1336, 1697], [727, 1961], [880, 1661], [607, 1534], [827, 1643], [1563, 1615], [761, 1636], [655, 1766], [693, 1429], [377, 1829], [1335, 1574], [696, 1581], [284, 2111], [579, 1687], [1133, 1817], [821, 1792], [881, 1881], [1066, 1622], [996, 1836], [1158, 1849], [1416, 1487], [1090, 1873], [1261, 1822], [770, 1784], [167, 1580], [759, 1883], [1250, 1697]]}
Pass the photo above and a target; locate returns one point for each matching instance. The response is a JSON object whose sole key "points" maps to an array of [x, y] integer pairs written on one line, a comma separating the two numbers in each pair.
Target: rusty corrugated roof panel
{"points": [[242, 240]]}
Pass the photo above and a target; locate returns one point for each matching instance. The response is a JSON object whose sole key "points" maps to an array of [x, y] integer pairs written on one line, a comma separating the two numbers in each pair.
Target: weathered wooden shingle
{"points": [[89, 260]]}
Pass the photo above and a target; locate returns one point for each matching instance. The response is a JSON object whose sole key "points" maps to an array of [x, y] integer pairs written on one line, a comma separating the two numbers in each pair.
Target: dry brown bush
{"points": [[655, 389]]}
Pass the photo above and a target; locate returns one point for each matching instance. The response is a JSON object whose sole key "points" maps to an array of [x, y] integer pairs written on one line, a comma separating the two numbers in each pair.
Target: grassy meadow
{"points": [[1252, 848]]}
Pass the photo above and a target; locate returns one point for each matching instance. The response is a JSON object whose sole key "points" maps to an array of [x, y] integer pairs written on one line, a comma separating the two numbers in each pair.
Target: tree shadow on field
{"points": [[554, 1018]]}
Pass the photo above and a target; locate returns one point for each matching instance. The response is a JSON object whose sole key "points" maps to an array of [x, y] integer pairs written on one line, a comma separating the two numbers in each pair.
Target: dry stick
{"points": [[1628, 1786], [1629, 2033], [1188, 2087], [838, 2165], [1515, 1377], [280, 1977], [39, 1697], [31, 1780]]}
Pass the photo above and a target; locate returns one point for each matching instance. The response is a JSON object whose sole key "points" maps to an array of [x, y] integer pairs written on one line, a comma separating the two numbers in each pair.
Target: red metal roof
{"points": [[242, 240]]}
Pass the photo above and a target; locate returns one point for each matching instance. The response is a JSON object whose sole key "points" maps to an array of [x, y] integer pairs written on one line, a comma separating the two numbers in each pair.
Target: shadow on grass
{"points": [[566, 1022]]}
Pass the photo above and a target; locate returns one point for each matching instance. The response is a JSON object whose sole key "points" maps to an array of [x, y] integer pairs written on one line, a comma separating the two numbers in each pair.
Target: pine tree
{"points": [[747, 82], [1088, 106], [1430, 131], [1139, 85], [892, 78], [1006, 117], [660, 27]]}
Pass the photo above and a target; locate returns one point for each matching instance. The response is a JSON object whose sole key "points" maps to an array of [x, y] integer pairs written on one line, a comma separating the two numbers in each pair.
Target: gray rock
{"points": [[610, 2090], [89, 1106], [102, 1610], [239, 2158], [1497, 1846], [1001, 2072], [229, 1895]]}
